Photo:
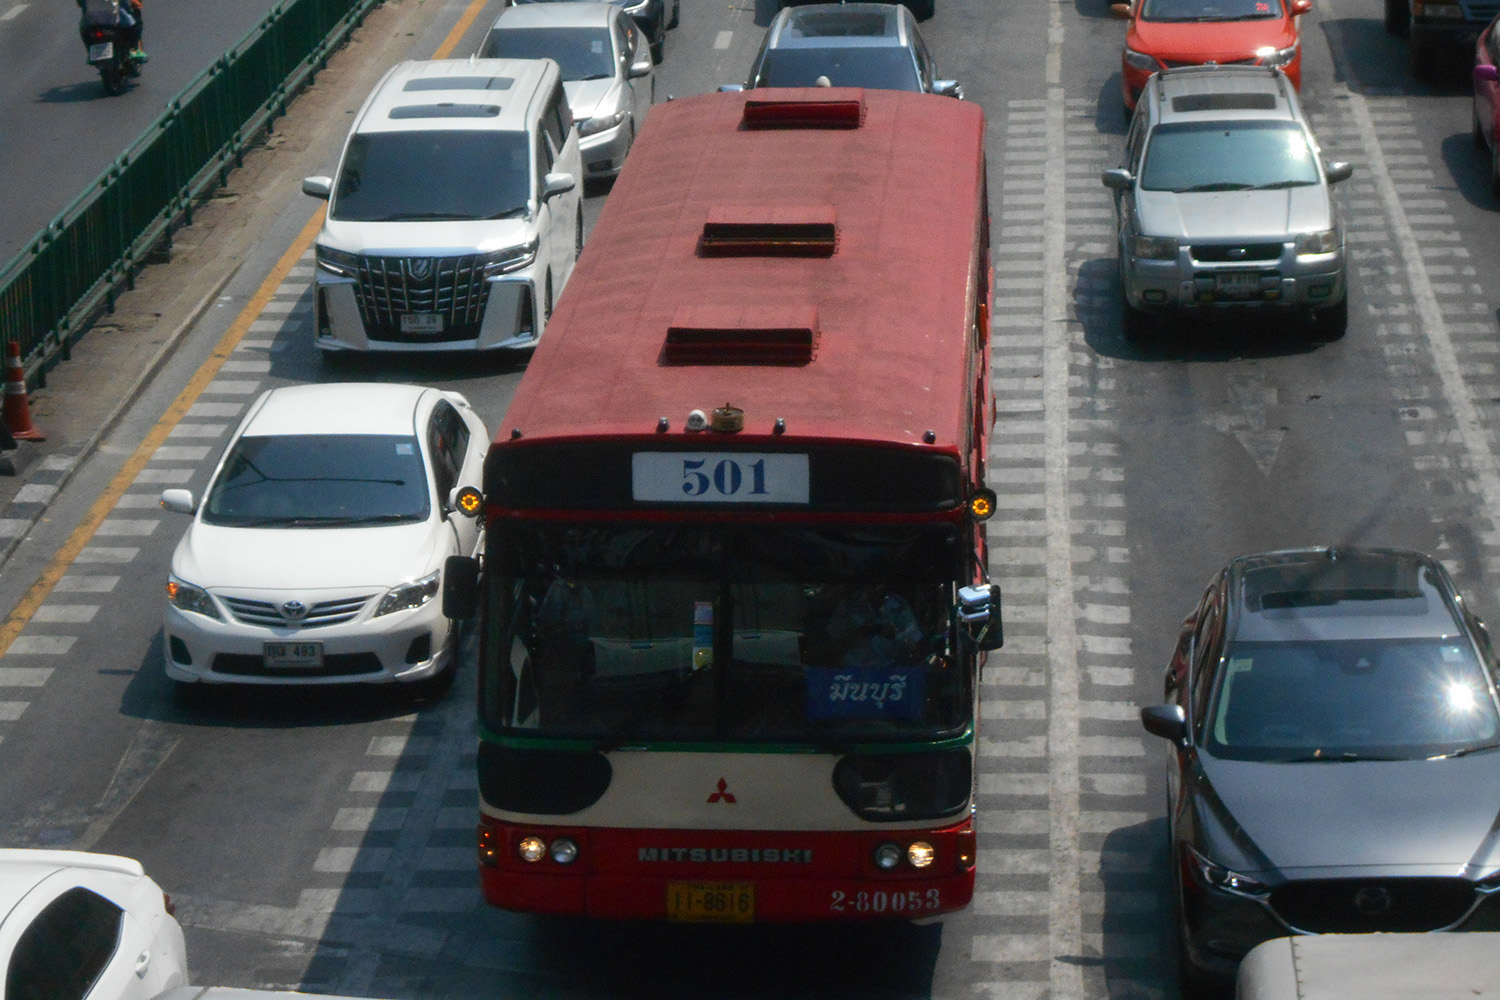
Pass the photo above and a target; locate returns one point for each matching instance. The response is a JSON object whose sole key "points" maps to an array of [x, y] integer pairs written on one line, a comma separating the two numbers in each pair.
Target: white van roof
{"points": [[1439, 966], [444, 94]]}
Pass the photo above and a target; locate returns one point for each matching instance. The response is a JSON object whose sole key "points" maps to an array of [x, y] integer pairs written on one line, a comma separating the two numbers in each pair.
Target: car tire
{"points": [[1330, 324], [1425, 64], [922, 10], [659, 43], [578, 237], [1476, 131], [676, 14], [547, 303], [1495, 172], [1135, 324], [1397, 18]]}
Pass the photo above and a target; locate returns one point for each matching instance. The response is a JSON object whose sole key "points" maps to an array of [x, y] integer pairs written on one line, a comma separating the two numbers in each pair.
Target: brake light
{"points": [[170, 906], [96, 35]]}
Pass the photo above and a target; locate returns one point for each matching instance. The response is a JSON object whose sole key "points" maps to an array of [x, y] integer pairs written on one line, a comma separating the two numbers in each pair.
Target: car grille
{"points": [[1235, 253], [253, 612], [1175, 63], [1349, 906], [451, 287], [334, 665]]}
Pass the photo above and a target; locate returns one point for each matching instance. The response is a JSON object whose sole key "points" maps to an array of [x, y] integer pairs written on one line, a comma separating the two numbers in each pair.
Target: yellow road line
{"points": [[84, 533]]}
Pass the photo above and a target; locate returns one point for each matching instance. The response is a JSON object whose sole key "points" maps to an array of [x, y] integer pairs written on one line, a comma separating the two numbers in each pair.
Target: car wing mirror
{"points": [[1300, 7], [731, 88], [1167, 721], [1337, 171], [1120, 11], [1486, 72], [318, 187], [1117, 178], [640, 68], [556, 184], [460, 587], [948, 88], [178, 501]]}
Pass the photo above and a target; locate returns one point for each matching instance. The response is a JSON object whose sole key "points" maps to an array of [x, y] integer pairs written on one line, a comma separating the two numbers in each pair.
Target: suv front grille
{"points": [[1234, 253], [450, 287], [1357, 906], [253, 612]]}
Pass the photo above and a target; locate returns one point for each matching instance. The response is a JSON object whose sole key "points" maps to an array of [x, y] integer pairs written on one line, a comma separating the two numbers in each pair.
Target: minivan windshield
{"points": [[581, 53], [433, 175], [1228, 156]]}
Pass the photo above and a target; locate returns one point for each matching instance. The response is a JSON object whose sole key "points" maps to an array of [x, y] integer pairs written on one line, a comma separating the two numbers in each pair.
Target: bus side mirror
{"points": [[979, 610], [460, 587]]}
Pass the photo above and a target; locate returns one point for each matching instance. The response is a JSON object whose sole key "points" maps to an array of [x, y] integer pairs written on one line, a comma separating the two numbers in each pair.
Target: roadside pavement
{"points": [[85, 396]]}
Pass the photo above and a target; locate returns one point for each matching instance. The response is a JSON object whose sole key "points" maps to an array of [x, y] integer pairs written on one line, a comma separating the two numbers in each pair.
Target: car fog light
{"points": [[887, 856], [920, 854], [1320, 291], [1155, 295], [531, 849], [564, 851]]}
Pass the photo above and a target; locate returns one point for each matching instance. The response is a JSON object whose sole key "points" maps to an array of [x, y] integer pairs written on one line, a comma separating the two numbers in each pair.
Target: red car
{"points": [[1165, 33], [1486, 108]]}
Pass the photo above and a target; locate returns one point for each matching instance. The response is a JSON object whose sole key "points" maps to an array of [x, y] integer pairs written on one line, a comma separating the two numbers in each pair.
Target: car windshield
{"points": [[319, 481], [433, 175], [1352, 699], [1228, 156], [1209, 10], [582, 53], [885, 67]]}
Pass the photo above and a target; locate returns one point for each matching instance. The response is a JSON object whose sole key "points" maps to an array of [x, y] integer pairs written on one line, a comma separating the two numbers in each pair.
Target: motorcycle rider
{"points": [[130, 20]]}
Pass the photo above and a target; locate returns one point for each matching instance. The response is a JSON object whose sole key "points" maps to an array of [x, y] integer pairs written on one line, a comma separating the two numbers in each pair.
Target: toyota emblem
{"points": [[1373, 901], [294, 611]]}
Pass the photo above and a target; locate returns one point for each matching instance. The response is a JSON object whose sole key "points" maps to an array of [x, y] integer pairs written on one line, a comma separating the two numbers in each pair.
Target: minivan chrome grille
{"points": [[450, 287], [257, 612]]}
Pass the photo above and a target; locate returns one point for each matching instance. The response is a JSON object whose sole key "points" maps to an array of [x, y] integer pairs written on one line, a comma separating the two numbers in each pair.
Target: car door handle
{"points": [[142, 963]]}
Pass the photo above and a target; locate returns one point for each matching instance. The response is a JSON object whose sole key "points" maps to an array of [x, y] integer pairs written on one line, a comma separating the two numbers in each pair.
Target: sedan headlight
{"points": [[1323, 241], [409, 595], [1277, 58], [1155, 247], [1141, 61], [186, 597], [511, 259], [338, 262], [1224, 879], [593, 126], [1445, 10]]}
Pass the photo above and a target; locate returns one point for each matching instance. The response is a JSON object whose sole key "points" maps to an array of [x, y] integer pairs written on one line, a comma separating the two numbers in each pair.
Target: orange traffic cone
{"points": [[17, 410]]}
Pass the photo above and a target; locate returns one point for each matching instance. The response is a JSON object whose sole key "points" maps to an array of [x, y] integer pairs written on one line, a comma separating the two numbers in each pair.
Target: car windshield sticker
{"points": [[404, 448]]}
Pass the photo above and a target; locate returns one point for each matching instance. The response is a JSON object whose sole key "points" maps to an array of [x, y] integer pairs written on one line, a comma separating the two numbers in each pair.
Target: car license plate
{"points": [[421, 323], [711, 902], [101, 50], [293, 655], [1238, 283]]}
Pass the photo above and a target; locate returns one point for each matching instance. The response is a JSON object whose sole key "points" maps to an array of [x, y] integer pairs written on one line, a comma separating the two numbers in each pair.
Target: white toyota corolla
{"points": [[317, 554]]}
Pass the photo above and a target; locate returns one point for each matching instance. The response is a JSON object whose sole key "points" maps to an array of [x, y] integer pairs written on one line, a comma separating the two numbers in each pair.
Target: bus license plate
{"points": [[1239, 283], [293, 655], [421, 323], [711, 902]]}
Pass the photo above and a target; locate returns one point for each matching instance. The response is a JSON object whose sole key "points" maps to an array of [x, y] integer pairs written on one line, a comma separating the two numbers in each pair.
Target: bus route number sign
{"points": [[718, 477]]}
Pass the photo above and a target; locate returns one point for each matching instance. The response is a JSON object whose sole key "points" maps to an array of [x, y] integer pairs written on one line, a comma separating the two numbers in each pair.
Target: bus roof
{"points": [[887, 314]]}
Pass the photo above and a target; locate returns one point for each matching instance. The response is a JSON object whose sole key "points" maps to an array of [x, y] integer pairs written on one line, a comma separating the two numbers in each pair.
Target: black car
{"points": [[1334, 727], [873, 45]]}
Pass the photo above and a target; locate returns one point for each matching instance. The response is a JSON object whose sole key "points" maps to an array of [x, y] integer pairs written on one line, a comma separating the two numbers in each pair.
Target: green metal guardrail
{"points": [[77, 264]]}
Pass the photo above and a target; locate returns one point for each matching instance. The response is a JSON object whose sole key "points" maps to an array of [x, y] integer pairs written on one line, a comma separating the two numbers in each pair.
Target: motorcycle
{"points": [[109, 38]]}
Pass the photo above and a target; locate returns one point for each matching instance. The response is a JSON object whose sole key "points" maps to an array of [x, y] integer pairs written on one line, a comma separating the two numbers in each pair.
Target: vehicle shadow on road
{"points": [[1469, 168], [1375, 62], [1138, 915]]}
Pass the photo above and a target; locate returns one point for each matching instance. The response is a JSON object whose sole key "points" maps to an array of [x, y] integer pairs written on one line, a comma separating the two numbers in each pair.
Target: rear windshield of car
{"points": [[318, 481], [1213, 10], [1228, 156], [433, 175], [886, 67], [1352, 699], [581, 53]]}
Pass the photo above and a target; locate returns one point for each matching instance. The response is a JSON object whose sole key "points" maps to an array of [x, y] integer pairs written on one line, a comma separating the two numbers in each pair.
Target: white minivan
{"points": [[456, 214]]}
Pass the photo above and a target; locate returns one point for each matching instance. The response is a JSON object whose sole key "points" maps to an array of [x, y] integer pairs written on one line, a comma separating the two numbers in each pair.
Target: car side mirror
{"points": [[1486, 72], [318, 187], [1120, 11], [1337, 171], [729, 88], [178, 501], [948, 88], [556, 184], [1300, 7], [1117, 178], [640, 68], [1167, 721], [460, 587]]}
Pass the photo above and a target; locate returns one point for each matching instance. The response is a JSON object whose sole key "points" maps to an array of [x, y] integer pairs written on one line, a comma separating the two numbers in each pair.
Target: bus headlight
{"points": [[920, 854], [532, 849], [887, 856], [564, 851]]}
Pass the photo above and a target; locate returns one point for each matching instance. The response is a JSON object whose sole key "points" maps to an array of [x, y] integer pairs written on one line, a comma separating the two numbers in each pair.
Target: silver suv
{"points": [[1224, 202]]}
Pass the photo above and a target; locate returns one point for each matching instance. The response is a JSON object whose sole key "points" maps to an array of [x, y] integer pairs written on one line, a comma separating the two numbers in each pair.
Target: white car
{"points": [[317, 553], [606, 69], [77, 926]]}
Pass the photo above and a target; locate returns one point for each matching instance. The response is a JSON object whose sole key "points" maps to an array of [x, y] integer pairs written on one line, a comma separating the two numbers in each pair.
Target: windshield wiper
{"points": [[345, 520], [1274, 185], [432, 216], [509, 213], [1344, 757], [1466, 751], [1216, 186]]}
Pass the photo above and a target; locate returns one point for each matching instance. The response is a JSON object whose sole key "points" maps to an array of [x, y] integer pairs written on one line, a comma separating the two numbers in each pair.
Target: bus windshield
{"points": [[696, 633]]}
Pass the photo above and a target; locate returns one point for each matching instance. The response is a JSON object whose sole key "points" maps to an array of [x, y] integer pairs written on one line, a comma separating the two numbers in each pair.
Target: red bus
{"points": [[734, 596]]}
